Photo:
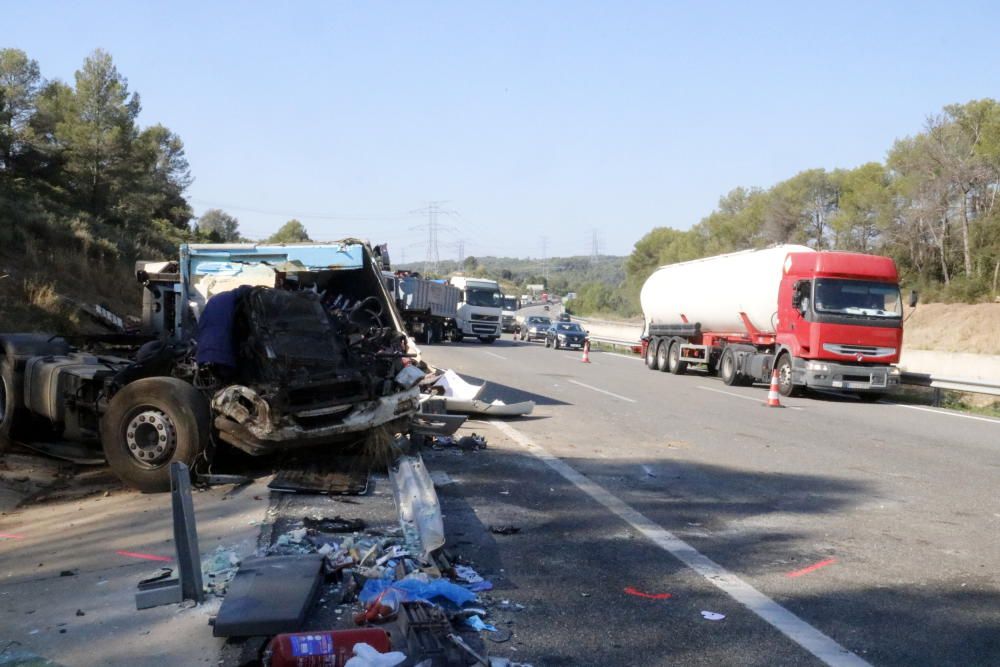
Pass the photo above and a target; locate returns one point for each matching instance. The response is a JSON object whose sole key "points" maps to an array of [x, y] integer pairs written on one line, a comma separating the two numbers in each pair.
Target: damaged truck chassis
{"points": [[261, 347]]}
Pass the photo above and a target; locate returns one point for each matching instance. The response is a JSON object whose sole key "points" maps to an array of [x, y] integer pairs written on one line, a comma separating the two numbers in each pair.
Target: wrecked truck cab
{"points": [[262, 347], [316, 342]]}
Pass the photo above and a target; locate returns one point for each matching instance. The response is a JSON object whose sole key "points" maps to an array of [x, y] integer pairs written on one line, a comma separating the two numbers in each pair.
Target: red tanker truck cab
{"points": [[839, 308]]}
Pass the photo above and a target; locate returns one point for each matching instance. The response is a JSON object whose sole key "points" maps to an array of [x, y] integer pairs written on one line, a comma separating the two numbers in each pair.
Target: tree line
{"points": [[931, 206], [78, 171]]}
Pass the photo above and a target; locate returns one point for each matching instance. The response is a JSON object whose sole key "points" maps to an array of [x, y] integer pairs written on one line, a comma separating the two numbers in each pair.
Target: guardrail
{"points": [[912, 379]]}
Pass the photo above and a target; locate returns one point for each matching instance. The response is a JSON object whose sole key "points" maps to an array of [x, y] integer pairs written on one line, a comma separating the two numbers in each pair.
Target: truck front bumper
{"points": [[255, 432], [847, 377]]}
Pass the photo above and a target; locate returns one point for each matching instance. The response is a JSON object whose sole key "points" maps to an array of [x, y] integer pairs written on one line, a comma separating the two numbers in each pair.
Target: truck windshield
{"points": [[510, 303], [481, 296], [857, 297]]}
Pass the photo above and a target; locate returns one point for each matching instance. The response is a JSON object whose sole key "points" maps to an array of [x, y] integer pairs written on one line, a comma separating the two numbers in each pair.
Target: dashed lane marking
{"points": [[609, 393], [790, 625], [494, 354]]}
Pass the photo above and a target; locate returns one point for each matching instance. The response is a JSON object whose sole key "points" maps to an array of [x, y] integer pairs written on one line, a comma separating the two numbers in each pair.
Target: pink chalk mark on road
{"points": [[10, 536], [812, 568], [132, 554]]}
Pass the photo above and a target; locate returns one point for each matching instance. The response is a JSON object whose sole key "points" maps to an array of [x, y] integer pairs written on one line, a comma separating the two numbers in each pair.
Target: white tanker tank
{"points": [[714, 291]]}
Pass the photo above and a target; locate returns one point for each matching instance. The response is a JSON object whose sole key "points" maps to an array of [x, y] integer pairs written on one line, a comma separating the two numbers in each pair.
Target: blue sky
{"points": [[531, 119]]}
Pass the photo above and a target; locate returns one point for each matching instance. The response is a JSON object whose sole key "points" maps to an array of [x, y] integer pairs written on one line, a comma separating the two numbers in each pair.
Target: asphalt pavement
{"points": [[828, 531]]}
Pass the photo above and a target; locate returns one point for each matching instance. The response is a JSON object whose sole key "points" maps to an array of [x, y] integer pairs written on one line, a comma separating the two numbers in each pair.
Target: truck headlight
{"points": [[817, 366]]}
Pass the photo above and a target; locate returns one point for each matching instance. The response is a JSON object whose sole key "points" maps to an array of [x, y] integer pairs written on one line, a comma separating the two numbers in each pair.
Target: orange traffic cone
{"points": [[773, 397], [586, 352]]}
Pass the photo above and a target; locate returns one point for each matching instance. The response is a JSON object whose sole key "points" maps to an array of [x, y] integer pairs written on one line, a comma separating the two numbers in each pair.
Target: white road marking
{"points": [[745, 398], [618, 396], [946, 412], [790, 625], [494, 354]]}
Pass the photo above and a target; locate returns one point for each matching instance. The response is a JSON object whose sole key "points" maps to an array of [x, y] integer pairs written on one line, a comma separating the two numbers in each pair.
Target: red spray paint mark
{"points": [[648, 596], [812, 568], [132, 554], [10, 536]]}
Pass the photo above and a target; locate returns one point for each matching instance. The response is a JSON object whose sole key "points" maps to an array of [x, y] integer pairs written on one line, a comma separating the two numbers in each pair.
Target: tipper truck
{"points": [[428, 307], [824, 320]]}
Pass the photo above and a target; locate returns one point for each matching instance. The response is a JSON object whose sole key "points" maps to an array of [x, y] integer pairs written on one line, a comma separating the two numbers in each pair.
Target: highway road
{"points": [[827, 532]]}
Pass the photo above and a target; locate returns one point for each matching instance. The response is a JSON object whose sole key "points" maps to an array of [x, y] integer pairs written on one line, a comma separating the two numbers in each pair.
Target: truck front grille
{"points": [[855, 350]]}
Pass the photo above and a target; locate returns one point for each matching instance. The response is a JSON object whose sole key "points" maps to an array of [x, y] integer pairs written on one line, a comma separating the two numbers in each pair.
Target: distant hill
{"points": [[566, 274]]}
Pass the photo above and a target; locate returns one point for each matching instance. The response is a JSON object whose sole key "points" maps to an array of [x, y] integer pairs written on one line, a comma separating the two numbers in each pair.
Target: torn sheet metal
{"points": [[497, 408], [417, 504], [435, 424], [455, 387]]}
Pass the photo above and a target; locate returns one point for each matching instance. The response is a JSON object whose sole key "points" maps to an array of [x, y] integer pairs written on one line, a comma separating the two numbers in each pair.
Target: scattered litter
{"points": [[649, 471], [80, 612], [649, 596], [712, 616], [417, 587], [585, 595], [218, 569], [366, 656], [337, 524], [453, 386], [478, 624], [508, 605], [472, 442], [68, 573], [499, 636], [505, 530]]}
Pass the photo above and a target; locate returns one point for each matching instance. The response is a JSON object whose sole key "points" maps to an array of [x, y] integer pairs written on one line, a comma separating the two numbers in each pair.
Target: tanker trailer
{"points": [[827, 320]]}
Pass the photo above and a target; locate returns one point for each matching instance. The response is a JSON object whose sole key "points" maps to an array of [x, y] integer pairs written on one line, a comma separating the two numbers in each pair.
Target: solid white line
{"points": [[745, 398], [494, 354], [618, 396], [793, 627], [949, 414]]}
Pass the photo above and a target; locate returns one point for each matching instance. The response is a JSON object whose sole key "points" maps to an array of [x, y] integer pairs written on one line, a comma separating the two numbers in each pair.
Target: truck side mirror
{"points": [[914, 296], [796, 299]]}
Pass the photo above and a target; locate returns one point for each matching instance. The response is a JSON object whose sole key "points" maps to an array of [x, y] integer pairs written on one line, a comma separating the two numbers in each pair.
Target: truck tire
{"points": [[785, 386], [727, 369], [456, 336], [10, 402], [151, 423], [674, 363], [555, 344], [651, 355], [661, 355]]}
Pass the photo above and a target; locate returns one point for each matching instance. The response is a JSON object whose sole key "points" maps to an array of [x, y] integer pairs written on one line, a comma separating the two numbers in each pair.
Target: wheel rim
{"points": [[661, 356], [675, 353], [785, 373], [151, 437], [727, 366], [650, 356]]}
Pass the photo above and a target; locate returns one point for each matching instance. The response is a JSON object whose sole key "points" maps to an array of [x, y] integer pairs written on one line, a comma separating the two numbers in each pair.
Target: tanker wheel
{"points": [[651, 355], [674, 363], [150, 424], [727, 368], [661, 356], [785, 385], [10, 402]]}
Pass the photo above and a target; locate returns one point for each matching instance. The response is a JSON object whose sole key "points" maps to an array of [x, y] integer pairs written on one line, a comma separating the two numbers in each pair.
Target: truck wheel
{"points": [[456, 336], [785, 386], [651, 355], [10, 402], [727, 368], [661, 356], [556, 344], [674, 363], [151, 423]]}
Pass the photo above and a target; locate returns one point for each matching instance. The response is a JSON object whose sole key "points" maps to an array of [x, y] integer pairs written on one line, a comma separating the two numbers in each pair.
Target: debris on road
{"points": [[337, 524], [505, 530], [649, 596], [712, 615]]}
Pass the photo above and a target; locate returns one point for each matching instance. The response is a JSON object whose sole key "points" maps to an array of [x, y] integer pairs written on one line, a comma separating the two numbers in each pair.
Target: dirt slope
{"points": [[954, 327]]}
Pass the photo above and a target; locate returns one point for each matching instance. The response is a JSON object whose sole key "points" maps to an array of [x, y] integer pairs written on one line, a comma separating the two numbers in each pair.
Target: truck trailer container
{"points": [[824, 320], [429, 307]]}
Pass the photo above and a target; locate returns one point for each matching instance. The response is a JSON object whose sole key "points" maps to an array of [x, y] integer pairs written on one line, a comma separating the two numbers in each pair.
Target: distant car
{"points": [[546, 309], [564, 317], [565, 334], [534, 327]]}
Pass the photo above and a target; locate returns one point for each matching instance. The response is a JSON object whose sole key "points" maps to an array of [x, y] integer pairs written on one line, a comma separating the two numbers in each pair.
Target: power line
{"points": [[433, 226]]}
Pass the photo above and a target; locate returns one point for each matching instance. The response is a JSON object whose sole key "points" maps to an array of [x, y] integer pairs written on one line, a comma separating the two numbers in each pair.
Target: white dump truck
{"points": [[479, 310]]}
